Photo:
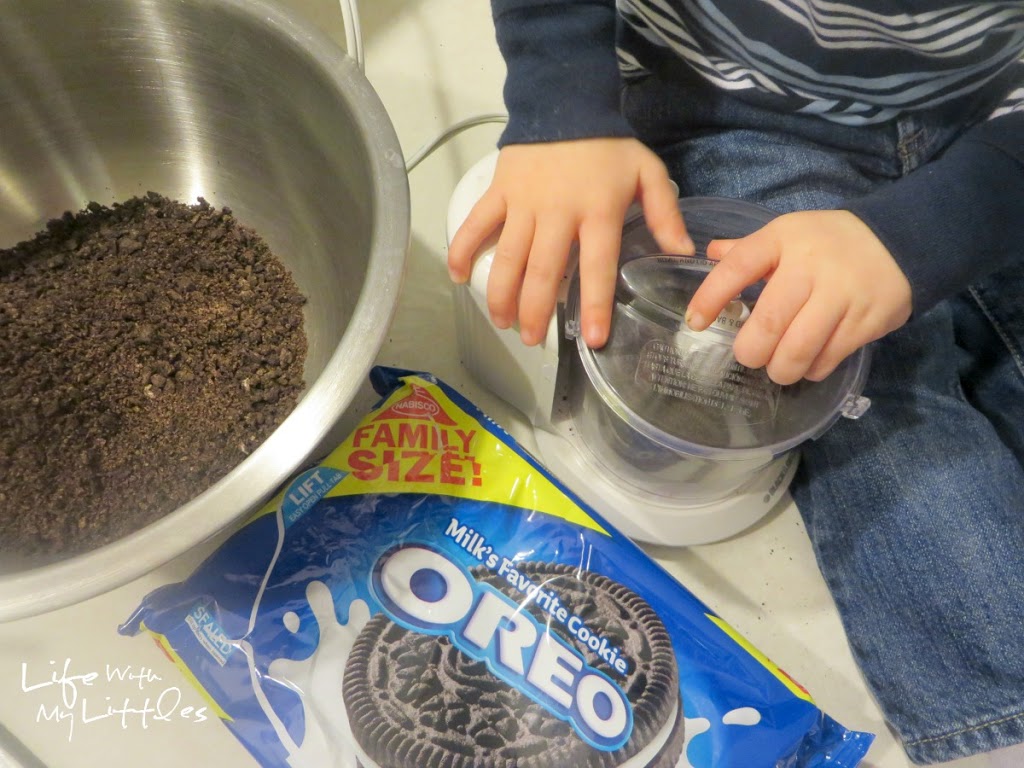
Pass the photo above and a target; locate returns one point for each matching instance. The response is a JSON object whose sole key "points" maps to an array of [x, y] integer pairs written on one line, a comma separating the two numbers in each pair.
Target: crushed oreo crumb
{"points": [[145, 349]]}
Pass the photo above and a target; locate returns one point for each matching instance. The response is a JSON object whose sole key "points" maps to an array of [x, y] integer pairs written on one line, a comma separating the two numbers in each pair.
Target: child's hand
{"points": [[832, 287], [548, 196]]}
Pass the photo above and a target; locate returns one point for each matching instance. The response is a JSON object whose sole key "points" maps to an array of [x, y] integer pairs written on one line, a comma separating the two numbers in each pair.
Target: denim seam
{"points": [[910, 138], [962, 731], [1007, 341]]}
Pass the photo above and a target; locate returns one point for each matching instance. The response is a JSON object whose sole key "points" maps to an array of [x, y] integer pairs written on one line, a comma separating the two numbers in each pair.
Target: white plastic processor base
{"points": [[529, 379]]}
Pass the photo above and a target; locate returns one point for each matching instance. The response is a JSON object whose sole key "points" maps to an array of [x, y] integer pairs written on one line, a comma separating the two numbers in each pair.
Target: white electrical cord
{"points": [[14, 754], [354, 46], [353, 35], [420, 154]]}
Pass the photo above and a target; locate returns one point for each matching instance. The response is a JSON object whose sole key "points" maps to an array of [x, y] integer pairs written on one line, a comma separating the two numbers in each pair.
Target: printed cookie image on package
{"points": [[626, 708], [428, 595]]}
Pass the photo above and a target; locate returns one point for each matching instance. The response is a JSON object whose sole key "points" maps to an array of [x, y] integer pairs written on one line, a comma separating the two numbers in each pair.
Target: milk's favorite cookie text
{"points": [[475, 543]]}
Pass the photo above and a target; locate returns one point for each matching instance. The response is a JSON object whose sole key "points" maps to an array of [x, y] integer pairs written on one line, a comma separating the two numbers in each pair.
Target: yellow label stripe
{"points": [[795, 687]]}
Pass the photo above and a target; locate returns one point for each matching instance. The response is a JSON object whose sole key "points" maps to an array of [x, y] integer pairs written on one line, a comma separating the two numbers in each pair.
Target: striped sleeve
{"points": [[853, 63], [1014, 102]]}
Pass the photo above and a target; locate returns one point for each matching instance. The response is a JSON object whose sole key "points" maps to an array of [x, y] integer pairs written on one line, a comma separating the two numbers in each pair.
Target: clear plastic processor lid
{"points": [[684, 389]]}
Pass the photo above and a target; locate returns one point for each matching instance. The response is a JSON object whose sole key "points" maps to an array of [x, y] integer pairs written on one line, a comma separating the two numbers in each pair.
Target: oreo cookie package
{"points": [[429, 596]]}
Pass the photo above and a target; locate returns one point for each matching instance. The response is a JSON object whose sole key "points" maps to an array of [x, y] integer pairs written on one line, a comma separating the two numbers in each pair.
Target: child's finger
{"points": [[717, 249], [485, 217], [600, 239], [506, 275], [843, 343], [782, 299], [661, 210], [749, 260], [804, 340], [545, 269]]}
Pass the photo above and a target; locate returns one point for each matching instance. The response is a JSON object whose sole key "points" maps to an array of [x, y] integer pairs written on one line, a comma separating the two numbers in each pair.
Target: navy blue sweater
{"points": [[947, 223]]}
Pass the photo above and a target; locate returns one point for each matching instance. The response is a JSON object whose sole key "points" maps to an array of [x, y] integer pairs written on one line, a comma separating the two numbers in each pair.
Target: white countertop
{"points": [[433, 62]]}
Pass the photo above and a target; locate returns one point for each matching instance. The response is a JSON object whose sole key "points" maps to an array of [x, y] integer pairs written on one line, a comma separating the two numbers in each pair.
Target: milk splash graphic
{"points": [[327, 741], [693, 727]]}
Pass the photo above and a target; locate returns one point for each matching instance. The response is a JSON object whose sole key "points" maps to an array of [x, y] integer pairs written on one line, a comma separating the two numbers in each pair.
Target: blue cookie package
{"points": [[429, 595]]}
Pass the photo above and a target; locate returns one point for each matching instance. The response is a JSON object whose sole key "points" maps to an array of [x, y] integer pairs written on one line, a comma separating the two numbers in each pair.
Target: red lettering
{"points": [[383, 436], [390, 461], [410, 436], [360, 434], [451, 469], [363, 465], [415, 473]]}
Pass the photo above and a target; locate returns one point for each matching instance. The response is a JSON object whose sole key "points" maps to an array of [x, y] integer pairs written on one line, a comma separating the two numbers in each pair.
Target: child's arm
{"points": [[837, 280], [568, 169]]}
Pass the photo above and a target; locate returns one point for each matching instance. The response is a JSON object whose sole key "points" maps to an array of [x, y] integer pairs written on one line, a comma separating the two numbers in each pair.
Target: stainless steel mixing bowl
{"points": [[235, 101]]}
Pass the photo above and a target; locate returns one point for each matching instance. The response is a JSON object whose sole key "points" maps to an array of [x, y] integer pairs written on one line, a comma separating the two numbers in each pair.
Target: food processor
{"points": [[661, 430]]}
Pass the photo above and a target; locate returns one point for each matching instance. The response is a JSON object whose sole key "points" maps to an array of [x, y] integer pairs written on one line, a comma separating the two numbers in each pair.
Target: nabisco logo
{"points": [[418, 404]]}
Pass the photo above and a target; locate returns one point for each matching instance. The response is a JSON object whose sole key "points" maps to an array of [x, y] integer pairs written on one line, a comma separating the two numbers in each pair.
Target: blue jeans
{"points": [[915, 511]]}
